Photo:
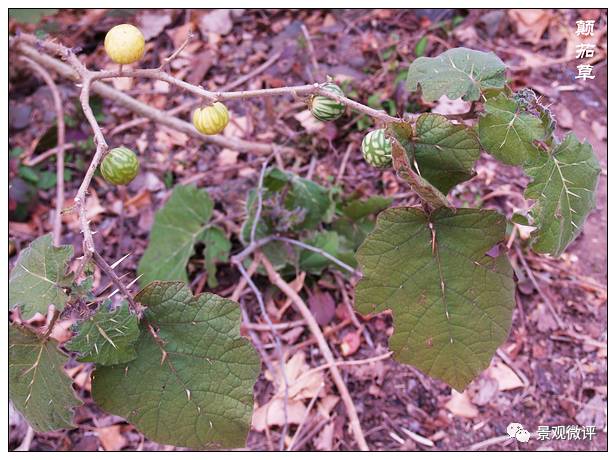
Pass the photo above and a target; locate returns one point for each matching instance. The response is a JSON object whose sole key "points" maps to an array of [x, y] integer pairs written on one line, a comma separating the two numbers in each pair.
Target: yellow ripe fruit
{"points": [[124, 44], [212, 119]]}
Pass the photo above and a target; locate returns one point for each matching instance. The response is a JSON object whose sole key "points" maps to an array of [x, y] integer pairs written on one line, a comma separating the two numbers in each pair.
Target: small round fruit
{"points": [[212, 119], [120, 166], [376, 149], [326, 109], [124, 44]]}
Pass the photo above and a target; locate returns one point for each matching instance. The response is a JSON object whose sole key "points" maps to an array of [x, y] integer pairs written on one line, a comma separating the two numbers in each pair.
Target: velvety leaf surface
{"points": [[39, 277], [38, 385], [564, 185], [507, 132], [106, 338], [458, 72], [445, 153], [192, 386], [177, 226], [451, 302]]}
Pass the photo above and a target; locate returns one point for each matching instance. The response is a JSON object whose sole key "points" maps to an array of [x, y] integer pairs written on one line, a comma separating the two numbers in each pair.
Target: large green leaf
{"points": [[563, 185], [445, 153], [107, 338], [39, 277], [178, 225], [38, 385], [192, 385], [458, 72], [508, 132], [451, 303]]}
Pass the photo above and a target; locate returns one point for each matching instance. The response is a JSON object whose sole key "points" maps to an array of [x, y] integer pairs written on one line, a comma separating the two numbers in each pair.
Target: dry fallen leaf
{"points": [[111, 438], [237, 127], [446, 106], [593, 413], [460, 404], [350, 343], [325, 439], [227, 157], [327, 404], [487, 388], [530, 24], [217, 22], [272, 413], [309, 122], [506, 378], [153, 23]]}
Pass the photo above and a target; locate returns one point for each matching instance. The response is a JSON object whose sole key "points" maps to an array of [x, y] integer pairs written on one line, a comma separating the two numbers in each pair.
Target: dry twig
{"points": [[303, 309], [59, 152]]}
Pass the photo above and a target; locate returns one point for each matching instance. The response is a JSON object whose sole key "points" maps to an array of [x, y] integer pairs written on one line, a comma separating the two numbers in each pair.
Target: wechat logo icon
{"points": [[516, 430]]}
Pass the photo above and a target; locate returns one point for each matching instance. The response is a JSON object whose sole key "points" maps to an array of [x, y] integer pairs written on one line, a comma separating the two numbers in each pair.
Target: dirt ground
{"points": [[551, 371]]}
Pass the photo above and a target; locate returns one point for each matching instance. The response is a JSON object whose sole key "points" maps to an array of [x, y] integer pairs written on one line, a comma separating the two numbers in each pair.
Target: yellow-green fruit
{"points": [[124, 44], [212, 119], [120, 166]]}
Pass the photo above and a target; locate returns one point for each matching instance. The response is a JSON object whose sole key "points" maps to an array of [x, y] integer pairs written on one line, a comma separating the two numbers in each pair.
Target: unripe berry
{"points": [[120, 166], [326, 109], [124, 44], [212, 119], [376, 149]]}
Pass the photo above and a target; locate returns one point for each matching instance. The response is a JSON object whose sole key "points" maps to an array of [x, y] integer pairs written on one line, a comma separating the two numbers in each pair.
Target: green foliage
{"points": [[31, 15], [564, 183], [106, 338], [508, 131], [217, 248], [428, 192], [420, 47], [192, 384], [458, 72], [290, 203], [183, 221], [182, 373], [445, 153], [38, 386], [337, 226], [39, 277], [451, 302]]}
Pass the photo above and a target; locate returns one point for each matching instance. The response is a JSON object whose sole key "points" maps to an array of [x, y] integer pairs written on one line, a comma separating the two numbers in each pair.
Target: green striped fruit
{"points": [[376, 149], [324, 108], [120, 166], [212, 119]]}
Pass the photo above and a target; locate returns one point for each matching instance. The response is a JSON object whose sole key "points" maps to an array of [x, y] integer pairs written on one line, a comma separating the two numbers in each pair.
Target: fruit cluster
{"points": [[125, 44]]}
